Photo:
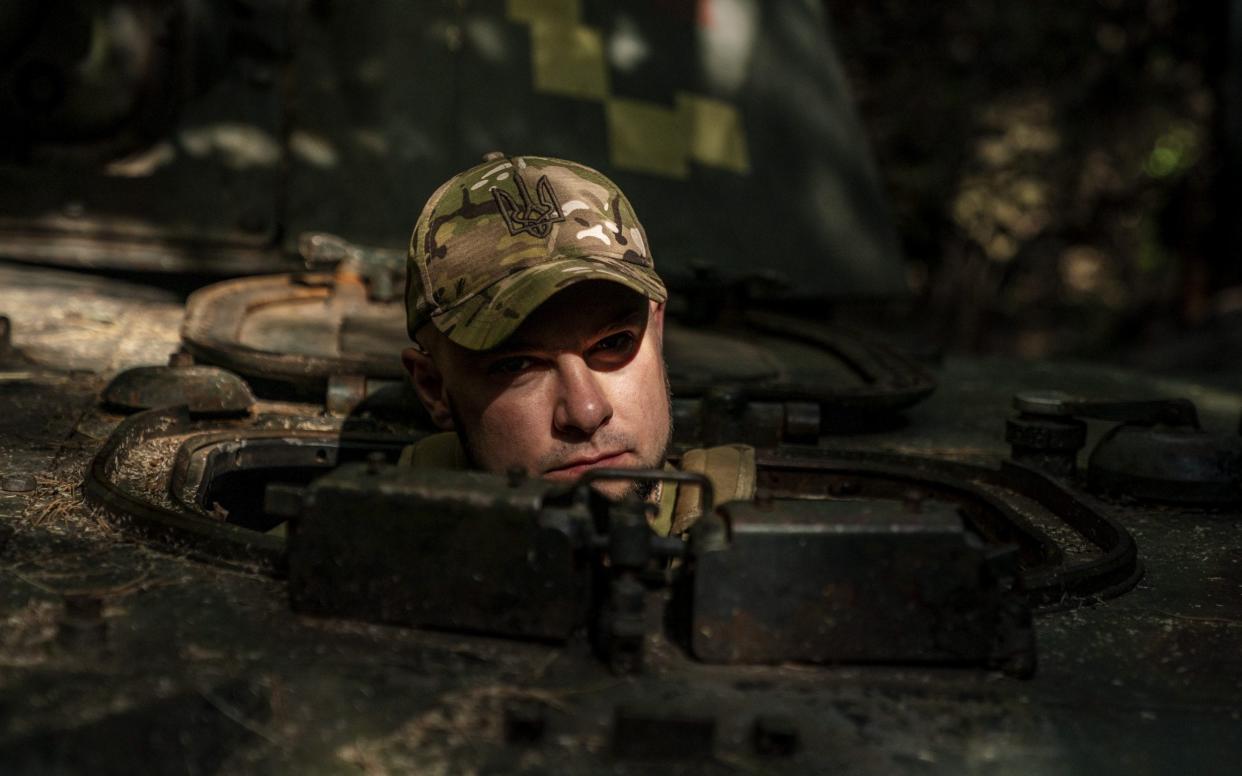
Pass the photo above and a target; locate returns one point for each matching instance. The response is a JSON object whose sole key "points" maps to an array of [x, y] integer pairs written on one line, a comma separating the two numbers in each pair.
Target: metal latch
{"points": [[1157, 452]]}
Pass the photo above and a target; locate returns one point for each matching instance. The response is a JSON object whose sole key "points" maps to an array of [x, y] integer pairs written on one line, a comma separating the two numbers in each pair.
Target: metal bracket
{"points": [[1142, 412], [630, 546], [380, 267], [1159, 452]]}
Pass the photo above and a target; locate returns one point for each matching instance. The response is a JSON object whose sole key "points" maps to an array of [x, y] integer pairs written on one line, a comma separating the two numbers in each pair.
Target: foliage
{"points": [[1052, 165]]}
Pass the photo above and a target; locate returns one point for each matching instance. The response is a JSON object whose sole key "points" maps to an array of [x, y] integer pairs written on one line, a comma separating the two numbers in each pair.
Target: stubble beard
{"points": [[644, 490]]}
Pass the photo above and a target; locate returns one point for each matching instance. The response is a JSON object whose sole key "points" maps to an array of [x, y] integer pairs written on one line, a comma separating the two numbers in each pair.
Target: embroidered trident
{"points": [[534, 217]]}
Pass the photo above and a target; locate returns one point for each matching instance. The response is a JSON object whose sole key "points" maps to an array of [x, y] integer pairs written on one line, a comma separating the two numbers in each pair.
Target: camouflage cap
{"points": [[496, 241]]}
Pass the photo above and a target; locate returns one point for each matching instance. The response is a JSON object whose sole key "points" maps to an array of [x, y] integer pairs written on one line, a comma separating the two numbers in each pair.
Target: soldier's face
{"points": [[580, 385]]}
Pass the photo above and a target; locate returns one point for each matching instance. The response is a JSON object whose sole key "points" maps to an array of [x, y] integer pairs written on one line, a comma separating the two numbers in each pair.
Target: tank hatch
{"points": [[226, 487], [1154, 451]]}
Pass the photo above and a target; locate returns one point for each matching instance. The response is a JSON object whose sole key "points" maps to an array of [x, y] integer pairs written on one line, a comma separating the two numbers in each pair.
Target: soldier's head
{"points": [[538, 319]]}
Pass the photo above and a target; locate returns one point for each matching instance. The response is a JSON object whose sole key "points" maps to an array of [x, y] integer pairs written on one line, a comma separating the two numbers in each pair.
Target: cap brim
{"points": [[489, 317]]}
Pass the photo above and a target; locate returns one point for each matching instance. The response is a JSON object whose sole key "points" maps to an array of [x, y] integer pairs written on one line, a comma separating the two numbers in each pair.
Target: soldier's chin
{"points": [[614, 490]]}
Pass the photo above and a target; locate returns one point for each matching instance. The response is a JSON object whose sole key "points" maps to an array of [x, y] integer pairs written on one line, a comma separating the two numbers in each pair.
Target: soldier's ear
{"points": [[655, 320], [428, 383]]}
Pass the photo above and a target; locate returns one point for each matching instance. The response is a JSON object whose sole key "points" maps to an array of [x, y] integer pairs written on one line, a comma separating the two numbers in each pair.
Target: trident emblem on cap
{"points": [[534, 217]]}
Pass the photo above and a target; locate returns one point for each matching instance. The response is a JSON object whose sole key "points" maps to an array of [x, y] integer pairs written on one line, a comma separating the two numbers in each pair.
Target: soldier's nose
{"points": [[582, 406]]}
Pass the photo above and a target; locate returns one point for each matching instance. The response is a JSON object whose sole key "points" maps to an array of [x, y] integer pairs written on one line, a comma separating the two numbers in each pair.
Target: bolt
{"points": [[18, 483]]}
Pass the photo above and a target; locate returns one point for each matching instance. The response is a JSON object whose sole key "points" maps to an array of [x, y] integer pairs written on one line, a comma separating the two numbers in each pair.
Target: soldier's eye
{"points": [[622, 339], [510, 366], [615, 346]]}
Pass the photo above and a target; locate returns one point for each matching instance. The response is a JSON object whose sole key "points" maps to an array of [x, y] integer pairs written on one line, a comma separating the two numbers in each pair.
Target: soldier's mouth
{"points": [[577, 467]]}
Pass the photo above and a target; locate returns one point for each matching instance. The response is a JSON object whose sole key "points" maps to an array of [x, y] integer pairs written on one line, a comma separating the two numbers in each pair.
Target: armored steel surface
{"points": [[115, 655]]}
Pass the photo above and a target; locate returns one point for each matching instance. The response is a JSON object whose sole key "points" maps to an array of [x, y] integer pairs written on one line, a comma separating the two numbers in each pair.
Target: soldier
{"points": [[538, 322]]}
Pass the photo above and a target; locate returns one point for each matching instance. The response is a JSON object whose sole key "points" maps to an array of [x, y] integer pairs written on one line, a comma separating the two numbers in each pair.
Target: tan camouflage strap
{"points": [[732, 472], [666, 498], [437, 451]]}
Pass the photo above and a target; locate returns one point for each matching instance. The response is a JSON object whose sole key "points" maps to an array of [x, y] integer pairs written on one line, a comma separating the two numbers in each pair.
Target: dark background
{"points": [[1058, 170], [1062, 175]]}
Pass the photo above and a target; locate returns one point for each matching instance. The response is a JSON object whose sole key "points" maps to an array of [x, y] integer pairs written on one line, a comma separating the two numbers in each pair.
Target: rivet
{"points": [[19, 483]]}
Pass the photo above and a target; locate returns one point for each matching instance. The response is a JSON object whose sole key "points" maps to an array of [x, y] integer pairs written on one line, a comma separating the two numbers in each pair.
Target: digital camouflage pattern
{"points": [[496, 241]]}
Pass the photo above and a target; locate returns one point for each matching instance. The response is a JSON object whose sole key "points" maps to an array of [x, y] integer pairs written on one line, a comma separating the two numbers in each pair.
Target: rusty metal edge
{"points": [[189, 464], [181, 534], [212, 320], [1117, 571]]}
